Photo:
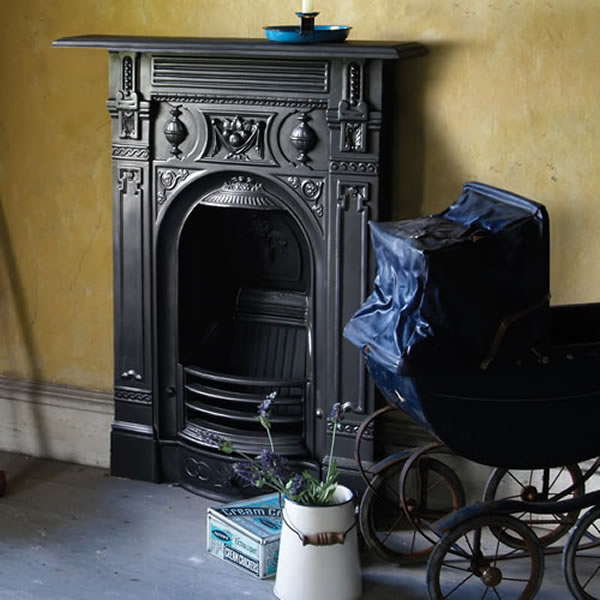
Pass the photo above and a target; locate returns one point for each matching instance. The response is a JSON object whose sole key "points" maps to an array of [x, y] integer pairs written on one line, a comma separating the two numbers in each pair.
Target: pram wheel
{"points": [[431, 489], [581, 557], [537, 485], [470, 561]]}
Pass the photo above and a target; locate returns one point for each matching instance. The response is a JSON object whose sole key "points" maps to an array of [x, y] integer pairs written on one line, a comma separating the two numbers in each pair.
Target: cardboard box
{"points": [[246, 533]]}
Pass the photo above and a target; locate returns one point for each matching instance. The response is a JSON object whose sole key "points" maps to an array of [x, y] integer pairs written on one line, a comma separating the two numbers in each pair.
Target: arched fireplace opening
{"points": [[237, 317]]}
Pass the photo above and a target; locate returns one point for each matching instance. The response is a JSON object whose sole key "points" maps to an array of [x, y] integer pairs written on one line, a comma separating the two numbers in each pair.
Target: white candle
{"points": [[307, 6]]}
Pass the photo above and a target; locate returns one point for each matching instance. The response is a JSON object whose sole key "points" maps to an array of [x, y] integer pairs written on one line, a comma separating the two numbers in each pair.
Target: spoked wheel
{"points": [[538, 485], [433, 491], [581, 557], [470, 562]]}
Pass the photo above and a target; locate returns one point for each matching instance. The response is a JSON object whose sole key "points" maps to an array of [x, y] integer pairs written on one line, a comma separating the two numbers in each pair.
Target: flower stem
{"points": [[331, 459], [244, 455], [270, 439]]}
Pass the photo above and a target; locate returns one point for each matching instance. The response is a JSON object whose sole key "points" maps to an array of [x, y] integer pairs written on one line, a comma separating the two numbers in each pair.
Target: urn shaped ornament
{"points": [[303, 138]]}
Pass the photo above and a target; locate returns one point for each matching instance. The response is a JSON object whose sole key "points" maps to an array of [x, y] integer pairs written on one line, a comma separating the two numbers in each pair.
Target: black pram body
{"points": [[459, 334]]}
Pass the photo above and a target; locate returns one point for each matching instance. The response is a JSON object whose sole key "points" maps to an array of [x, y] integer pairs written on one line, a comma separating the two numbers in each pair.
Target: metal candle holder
{"points": [[307, 22], [308, 32]]}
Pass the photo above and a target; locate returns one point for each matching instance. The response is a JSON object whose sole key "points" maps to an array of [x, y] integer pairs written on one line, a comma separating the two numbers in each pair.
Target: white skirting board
{"points": [[55, 421]]}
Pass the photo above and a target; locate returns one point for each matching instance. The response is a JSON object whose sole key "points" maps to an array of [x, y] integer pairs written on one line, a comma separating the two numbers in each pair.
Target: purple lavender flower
{"points": [[272, 470], [296, 485], [264, 412], [248, 472], [264, 408], [210, 438], [337, 413], [273, 465]]}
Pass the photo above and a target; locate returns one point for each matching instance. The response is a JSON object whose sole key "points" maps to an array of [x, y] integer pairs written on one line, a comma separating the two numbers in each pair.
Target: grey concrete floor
{"points": [[70, 532]]}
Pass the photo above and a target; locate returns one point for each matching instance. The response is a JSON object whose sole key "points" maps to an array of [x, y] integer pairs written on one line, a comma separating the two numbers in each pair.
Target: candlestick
{"points": [[307, 6], [307, 23]]}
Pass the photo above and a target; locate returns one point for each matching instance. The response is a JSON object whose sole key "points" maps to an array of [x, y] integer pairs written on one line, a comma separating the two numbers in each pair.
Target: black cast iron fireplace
{"points": [[244, 176]]}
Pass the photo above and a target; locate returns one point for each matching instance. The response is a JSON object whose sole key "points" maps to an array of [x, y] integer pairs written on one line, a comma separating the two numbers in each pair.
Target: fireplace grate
{"points": [[266, 343]]}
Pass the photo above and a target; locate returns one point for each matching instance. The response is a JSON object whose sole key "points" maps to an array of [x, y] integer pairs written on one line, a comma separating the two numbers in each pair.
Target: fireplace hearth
{"points": [[244, 176]]}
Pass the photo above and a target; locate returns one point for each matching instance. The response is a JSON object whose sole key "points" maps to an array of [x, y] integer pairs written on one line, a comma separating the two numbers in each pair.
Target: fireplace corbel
{"points": [[244, 176]]}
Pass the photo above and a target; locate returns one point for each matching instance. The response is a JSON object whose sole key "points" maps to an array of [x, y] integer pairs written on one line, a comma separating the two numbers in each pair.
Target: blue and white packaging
{"points": [[246, 534]]}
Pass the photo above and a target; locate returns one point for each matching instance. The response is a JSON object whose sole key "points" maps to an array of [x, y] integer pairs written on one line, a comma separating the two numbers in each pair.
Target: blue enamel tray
{"points": [[290, 34]]}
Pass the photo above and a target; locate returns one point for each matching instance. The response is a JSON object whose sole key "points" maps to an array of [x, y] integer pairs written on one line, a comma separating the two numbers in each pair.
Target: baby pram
{"points": [[459, 334]]}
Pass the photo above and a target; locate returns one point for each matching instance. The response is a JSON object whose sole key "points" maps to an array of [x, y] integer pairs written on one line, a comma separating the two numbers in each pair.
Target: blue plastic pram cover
{"points": [[465, 286]]}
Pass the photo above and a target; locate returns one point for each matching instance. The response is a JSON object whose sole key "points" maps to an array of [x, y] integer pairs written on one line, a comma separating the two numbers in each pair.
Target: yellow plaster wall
{"points": [[509, 95]]}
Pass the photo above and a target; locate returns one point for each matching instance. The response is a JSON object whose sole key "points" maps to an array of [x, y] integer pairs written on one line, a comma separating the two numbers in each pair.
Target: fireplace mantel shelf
{"points": [[241, 47]]}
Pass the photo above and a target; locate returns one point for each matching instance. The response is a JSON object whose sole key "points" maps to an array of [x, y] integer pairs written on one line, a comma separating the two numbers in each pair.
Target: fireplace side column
{"points": [[133, 438], [355, 123]]}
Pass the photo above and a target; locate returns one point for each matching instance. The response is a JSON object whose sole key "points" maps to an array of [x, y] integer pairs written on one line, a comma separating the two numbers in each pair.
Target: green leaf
{"points": [[310, 478], [264, 421], [332, 476], [227, 447]]}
